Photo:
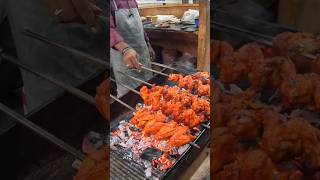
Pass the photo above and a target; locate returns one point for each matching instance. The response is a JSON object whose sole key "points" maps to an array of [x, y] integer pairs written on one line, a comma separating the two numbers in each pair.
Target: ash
{"points": [[130, 143]]}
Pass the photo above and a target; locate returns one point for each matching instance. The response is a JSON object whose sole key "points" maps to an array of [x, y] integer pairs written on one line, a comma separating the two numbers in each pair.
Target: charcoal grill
{"points": [[124, 169]]}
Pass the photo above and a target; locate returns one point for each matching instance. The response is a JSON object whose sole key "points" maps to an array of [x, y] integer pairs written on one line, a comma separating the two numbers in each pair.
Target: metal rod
{"points": [[268, 38], [82, 95], [205, 126], [43, 133], [157, 72], [121, 102], [134, 78], [166, 66], [131, 89], [39, 37], [244, 31], [194, 145]]}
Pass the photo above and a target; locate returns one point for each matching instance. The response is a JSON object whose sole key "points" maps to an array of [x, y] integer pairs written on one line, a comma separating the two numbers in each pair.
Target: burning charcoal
{"points": [[114, 140], [182, 149], [130, 142], [132, 128], [151, 154], [123, 136], [148, 172], [126, 133], [139, 105]]}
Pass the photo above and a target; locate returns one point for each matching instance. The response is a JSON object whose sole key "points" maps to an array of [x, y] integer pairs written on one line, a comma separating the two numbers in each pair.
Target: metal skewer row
{"points": [[43, 133], [82, 95], [138, 93], [268, 38], [133, 109], [96, 60]]}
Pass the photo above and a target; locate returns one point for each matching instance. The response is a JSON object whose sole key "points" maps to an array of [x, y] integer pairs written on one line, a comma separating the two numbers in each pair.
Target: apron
{"points": [[130, 27], [57, 63]]}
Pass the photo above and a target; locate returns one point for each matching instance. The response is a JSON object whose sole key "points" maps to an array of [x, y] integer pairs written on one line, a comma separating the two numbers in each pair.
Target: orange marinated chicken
{"points": [[218, 50], [198, 82], [152, 127], [190, 118], [102, 98], [301, 90], [180, 137], [167, 131], [182, 106], [143, 116], [95, 166], [251, 164], [294, 45]]}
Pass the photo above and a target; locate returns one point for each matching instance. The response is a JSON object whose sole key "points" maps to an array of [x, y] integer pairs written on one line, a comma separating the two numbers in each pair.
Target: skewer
{"points": [[194, 145], [134, 78], [169, 67], [98, 61], [135, 91], [268, 38], [43, 133], [82, 95], [122, 103], [131, 108], [131, 89], [205, 126], [39, 37], [149, 69]]}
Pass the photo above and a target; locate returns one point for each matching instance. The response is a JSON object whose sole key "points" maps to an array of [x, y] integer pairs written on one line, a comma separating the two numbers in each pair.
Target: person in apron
{"points": [[129, 47], [57, 63]]}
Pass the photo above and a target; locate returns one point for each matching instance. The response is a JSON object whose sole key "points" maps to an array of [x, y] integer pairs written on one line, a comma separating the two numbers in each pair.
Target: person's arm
{"points": [[81, 11], [130, 56]]}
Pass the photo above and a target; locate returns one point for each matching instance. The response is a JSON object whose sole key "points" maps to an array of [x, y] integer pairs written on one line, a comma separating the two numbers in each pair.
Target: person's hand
{"points": [[152, 53], [131, 59], [81, 11]]}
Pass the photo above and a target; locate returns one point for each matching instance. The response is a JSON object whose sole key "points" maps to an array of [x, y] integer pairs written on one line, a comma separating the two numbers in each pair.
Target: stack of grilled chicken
{"points": [[169, 113], [255, 140]]}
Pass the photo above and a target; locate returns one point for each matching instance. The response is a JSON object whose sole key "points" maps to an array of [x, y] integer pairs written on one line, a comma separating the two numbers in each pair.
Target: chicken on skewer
{"points": [[181, 105], [198, 83], [296, 45]]}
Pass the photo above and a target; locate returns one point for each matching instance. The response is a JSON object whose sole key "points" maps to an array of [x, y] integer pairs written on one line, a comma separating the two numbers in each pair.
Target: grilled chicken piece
{"points": [[167, 131], [143, 116], [295, 45], [152, 127], [180, 137], [95, 166], [198, 82], [236, 66], [301, 90], [182, 106], [293, 138], [219, 49], [102, 98], [190, 118], [251, 164], [223, 148]]}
